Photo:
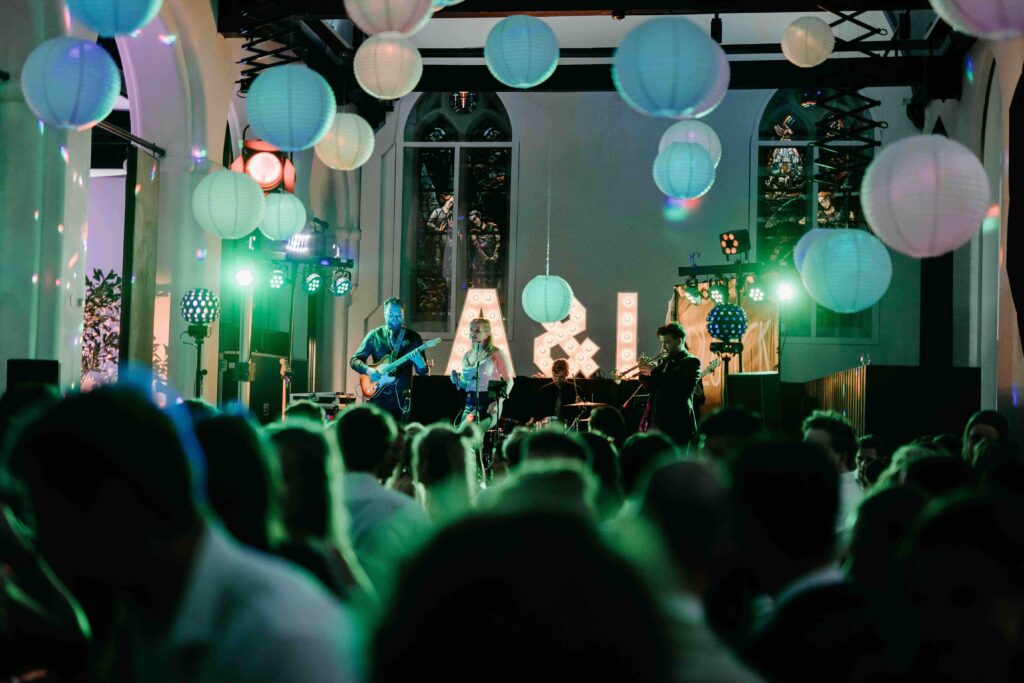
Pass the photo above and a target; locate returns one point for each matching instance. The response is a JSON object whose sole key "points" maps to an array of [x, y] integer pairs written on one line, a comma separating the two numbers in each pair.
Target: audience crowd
{"points": [[188, 543]]}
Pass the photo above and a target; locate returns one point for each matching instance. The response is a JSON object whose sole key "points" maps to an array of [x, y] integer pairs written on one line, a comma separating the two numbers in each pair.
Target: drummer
{"points": [[554, 397]]}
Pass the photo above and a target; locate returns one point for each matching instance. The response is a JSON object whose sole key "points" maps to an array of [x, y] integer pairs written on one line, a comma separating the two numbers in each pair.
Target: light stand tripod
{"points": [[726, 350], [198, 332]]}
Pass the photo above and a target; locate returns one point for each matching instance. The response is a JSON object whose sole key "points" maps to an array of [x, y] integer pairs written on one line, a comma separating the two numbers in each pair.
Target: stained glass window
{"points": [[804, 172], [456, 208]]}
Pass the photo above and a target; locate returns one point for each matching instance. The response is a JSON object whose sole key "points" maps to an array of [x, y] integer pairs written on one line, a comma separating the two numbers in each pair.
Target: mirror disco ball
{"points": [[200, 306], [727, 322]]}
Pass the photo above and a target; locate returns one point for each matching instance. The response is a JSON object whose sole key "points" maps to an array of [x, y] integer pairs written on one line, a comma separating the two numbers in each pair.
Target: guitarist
{"points": [[672, 383], [392, 339]]}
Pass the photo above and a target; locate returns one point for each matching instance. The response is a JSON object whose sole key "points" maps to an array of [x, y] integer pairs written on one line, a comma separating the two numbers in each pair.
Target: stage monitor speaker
{"points": [[265, 389], [32, 371], [757, 391]]}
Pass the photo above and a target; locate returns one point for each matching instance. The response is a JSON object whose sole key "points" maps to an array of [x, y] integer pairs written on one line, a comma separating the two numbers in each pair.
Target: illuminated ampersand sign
{"points": [[563, 334]]}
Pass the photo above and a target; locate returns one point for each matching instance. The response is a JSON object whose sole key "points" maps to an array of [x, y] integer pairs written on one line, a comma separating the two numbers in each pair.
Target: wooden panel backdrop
{"points": [[760, 343]]}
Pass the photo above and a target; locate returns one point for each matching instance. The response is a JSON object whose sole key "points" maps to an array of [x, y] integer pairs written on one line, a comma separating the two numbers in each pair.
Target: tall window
{"points": [[802, 183], [456, 205]]}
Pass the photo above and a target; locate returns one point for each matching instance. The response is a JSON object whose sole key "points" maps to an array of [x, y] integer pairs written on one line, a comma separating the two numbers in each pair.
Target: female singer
{"points": [[483, 363]]}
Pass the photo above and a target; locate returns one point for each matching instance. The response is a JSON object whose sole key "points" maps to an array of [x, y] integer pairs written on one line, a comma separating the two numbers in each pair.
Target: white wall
{"points": [[105, 240], [609, 232]]}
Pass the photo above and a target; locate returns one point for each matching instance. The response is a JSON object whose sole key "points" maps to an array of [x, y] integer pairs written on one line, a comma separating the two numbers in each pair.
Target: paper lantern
{"points": [[228, 204], [388, 66], [70, 83], [441, 4], [283, 216], [727, 322], [521, 51], [694, 132], [804, 243], [684, 170], [925, 195], [990, 19], [670, 67], [114, 17], [547, 298], [847, 271], [290, 106], [405, 17], [808, 42], [347, 144]]}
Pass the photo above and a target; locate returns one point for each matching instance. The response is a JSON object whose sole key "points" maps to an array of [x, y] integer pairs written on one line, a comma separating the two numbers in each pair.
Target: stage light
{"points": [[200, 307], [244, 277], [266, 164], [734, 242], [341, 283], [277, 278], [785, 291], [692, 292], [313, 283], [719, 293], [755, 293]]}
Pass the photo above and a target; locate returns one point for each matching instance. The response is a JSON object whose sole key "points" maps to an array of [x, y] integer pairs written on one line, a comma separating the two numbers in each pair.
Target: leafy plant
{"points": [[101, 333]]}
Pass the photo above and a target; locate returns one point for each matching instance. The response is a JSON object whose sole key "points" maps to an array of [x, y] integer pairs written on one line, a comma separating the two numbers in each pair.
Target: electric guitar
{"points": [[386, 367], [698, 392]]}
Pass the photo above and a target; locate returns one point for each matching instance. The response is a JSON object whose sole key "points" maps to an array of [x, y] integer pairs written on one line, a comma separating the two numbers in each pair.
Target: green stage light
{"points": [[313, 283], [277, 278], [341, 283], [785, 291], [719, 293], [755, 293], [244, 277]]}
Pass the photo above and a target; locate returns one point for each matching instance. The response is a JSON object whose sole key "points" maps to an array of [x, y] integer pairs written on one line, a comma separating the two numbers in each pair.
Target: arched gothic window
{"points": [[457, 209], [803, 181]]}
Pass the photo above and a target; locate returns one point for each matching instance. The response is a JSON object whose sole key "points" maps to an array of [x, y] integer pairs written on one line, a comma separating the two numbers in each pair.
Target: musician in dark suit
{"points": [[552, 398], [672, 381], [391, 339]]}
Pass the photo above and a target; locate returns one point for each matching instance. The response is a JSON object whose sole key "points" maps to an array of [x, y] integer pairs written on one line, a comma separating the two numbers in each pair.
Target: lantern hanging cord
{"points": [[547, 257]]}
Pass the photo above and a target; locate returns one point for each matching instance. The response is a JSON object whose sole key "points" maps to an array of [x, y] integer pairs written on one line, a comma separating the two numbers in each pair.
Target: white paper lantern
{"points": [[990, 19], [695, 132], [283, 216], [670, 67], [804, 244], [925, 195], [684, 170], [290, 106], [382, 16], [847, 271], [547, 298], [228, 204], [114, 17], [441, 4], [808, 42], [388, 66], [70, 83], [348, 143], [521, 51]]}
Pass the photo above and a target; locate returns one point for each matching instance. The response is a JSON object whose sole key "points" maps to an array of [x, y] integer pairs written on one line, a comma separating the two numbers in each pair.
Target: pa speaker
{"points": [[32, 371], [756, 391]]}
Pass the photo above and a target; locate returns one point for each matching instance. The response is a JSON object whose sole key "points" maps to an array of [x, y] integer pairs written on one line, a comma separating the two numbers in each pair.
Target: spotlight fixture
{"points": [[277, 278], [266, 164], [341, 283], [692, 293], [735, 242], [719, 293], [313, 282], [244, 277], [785, 291], [752, 289]]}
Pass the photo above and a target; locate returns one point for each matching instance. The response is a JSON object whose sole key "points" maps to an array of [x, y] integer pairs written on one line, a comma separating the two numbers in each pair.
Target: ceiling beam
{"points": [[496, 8], [940, 75]]}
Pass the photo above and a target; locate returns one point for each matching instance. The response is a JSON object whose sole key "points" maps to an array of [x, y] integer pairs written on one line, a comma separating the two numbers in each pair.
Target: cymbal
{"points": [[585, 404]]}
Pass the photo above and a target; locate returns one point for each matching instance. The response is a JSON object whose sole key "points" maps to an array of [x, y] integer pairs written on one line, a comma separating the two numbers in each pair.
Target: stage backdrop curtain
{"points": [[760, 343]]}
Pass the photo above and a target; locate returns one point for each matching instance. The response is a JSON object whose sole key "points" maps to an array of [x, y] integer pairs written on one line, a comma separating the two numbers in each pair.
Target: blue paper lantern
{"points": [[727, 322], [684, 170], [670, 67], [847, 271], [284, 215], [70, 83], [228, 204], [114, 17], [547, 298], [290, 106], [521, 51], [803, 245]]}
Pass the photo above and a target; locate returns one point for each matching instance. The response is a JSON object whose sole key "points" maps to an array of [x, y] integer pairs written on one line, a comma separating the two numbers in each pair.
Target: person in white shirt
{"points": [[835, 435]]}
